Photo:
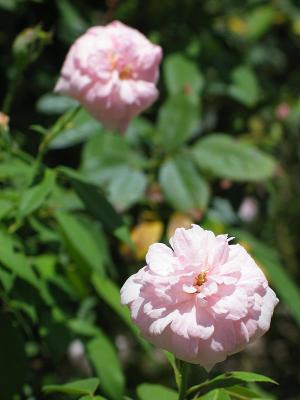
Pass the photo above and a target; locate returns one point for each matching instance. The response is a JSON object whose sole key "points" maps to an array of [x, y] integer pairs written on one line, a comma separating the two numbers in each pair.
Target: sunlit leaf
{"points": [[182, 184], [229, 379], [34, 197], [5, 207], [126, 187], [245, 87], [82, 127], [229, 158], [259, 20], [52, 103], [16, 261], [177, 121], [108, 161], [81, 387], [218, 394], [148, 391], [182, 76]]}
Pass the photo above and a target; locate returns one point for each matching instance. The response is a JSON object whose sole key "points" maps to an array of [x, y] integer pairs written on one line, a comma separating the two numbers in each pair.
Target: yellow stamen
{"points": [[201, 278], [126, 72]]}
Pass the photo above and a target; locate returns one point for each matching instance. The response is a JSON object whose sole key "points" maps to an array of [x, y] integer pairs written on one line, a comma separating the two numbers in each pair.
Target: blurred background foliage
{"points": [[221, 148]]}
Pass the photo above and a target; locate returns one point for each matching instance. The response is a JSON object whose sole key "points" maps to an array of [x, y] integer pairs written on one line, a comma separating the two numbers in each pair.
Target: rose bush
{"points": [[80, 204]]}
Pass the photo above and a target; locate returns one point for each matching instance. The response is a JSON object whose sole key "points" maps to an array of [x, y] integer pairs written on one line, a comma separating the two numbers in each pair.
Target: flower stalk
{"points": [[184, 368]]}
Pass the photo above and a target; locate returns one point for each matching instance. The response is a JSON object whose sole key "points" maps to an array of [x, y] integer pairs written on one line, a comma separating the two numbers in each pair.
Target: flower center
{"points": [[125, 72], [200, 279]]}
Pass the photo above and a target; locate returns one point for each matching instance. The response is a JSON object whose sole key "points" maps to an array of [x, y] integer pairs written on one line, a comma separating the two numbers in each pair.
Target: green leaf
{"points": [[9, 5], [7, 279], [82, 387], [229, 379], [80, 242], [45, 265], [242, 393], [13, 363], [172, 360], [244, 87], [82, 127], [260, 21], [105, 361], [52, 103], [71, 23], [102, 154], [97, 206], [177, 121], [139, 129], [5, 207], [83, 328], [226, 157], [182, 185], [148, 391], [34, 197], [218, 394], [16, 171], [268, 260], [182, 77], [246, 377], [126, 187], [26, 308], [16, 261], [108, 161], [46, 235]]}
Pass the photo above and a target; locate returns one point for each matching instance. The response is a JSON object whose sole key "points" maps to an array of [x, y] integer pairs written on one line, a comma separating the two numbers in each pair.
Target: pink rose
{"points": [[112, 72], [203, 300]]}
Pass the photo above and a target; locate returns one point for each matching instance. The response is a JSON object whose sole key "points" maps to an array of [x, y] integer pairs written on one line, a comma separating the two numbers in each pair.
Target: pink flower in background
{"points": [[112, 71], [282, 111], [203, 300], [248, 209]]}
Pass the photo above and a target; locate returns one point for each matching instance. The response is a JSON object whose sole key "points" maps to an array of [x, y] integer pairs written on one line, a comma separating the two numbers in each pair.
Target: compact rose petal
{"points": [[112, 71], [203, 299]]}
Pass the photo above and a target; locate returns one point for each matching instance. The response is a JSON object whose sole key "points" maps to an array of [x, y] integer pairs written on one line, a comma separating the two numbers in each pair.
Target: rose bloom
{"points": [[112, 71], [203, 300]]}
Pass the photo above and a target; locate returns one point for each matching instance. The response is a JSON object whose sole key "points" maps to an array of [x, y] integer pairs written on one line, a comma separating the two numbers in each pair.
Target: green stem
{"points": [[13, 85], [61, 124], [184, 371]]}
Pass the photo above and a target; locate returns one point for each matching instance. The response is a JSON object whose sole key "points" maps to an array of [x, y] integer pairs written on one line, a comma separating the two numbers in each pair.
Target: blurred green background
{"points": [[221, 148]]}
